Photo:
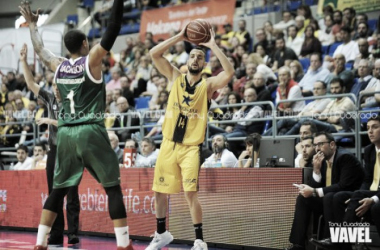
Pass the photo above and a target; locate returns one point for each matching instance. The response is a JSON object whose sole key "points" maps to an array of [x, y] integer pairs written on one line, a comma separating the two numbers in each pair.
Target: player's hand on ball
{"points": [[211, 42]]}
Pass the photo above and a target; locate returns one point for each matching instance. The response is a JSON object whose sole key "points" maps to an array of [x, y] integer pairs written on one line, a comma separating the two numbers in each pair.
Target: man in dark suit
{"points": [[363, 202], [334, 170]]}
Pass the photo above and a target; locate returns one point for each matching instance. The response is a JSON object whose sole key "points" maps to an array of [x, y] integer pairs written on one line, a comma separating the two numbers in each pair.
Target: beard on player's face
{"points": [[194, 71]]}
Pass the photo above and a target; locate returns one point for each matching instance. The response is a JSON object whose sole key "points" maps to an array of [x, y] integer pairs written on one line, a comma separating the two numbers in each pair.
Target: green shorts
{"points": [[85, 145]]}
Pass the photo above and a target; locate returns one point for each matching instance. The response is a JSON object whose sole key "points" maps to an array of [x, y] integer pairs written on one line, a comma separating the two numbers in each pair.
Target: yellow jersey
{"points": [[186, 114]]}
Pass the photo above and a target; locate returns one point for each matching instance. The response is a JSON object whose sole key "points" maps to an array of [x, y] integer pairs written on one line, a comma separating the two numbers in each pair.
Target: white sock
{"points": [[42, 235], [122, 236]]}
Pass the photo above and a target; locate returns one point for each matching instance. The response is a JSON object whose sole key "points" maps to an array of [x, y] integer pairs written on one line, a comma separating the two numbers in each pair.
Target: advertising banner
{"points": [[162, 21], [361, 6], [256, 204]]}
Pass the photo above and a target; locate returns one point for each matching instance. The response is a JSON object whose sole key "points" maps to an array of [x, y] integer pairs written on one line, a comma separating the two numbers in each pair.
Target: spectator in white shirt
{"points": [[349, 48], [221, 156], [287, 20], [24, 162], [294, 42], [149, 153]]}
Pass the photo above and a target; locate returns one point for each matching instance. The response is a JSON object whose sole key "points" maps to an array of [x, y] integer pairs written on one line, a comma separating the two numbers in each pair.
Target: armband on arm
{"points": [[114, 25]]}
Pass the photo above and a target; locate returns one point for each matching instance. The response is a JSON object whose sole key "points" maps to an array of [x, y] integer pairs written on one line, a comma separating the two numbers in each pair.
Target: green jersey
{"points": [[83, 97]]}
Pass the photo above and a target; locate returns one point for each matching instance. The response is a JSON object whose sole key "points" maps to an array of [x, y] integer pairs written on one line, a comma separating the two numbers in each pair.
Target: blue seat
{"points": [[333, 48], [268, 125], [349, 65], [305, 62], [142, 102], [372, 24], [73, 19], [308, 101], [88, 3], [148, 129], [94, 33], [293, 5], [310, 2], [130, 28], [325, 49], [134, 14], [256, 11]]}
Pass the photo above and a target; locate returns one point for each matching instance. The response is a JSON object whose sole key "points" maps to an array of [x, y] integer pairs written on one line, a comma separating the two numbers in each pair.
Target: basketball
{"points": [[198, 31]]}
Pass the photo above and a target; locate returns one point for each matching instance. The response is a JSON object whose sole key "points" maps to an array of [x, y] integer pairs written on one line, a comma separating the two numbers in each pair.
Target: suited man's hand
{"points": [[317, 162], [366, 204], [305, 190]]}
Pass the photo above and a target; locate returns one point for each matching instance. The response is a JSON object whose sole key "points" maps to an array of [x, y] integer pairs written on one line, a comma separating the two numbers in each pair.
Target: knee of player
{"points": [[191, 195]]}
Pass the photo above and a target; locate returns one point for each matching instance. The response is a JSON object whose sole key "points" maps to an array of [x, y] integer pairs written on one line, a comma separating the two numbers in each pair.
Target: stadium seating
{"points": [[333, 48], [372, 24], [349, 65], [72, 19], [293, 5], [325, 49], [305, 62]]}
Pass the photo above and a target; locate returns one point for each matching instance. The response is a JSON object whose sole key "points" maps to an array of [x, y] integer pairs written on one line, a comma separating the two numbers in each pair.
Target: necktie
{"points": [[376, 172], [328, 173]]}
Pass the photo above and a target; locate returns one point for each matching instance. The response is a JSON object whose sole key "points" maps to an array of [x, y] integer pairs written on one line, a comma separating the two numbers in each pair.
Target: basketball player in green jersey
{"points": [[82, 140], [183, 132]]}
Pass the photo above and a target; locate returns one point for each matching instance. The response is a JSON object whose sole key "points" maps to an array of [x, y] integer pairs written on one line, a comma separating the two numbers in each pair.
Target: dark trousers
{"points": [[305, 207], [72, 206], [338, 209], [372, 215]]}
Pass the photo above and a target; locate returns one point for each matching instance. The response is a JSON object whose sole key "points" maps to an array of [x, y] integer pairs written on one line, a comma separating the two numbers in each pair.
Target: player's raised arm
{"points": [[163, 66], [108, 39], [223, 77], [32, 85], [47, 57]]}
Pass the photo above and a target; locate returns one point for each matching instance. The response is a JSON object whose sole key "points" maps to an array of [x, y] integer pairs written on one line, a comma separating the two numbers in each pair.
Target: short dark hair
{"points": [[149, 140], [254, 140], [74, 40], [41, 144], [136, 143], [313, 127], [280, 38], [352, 10], [329, 136], [309, 137], [323, 83], [328, 8], [346, 29], [292, 26], [23, 147], [339, 80], [364, 15]]}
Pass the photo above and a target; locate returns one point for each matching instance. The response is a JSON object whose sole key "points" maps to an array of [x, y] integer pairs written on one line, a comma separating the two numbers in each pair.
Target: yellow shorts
{"points": [[176, 164]]}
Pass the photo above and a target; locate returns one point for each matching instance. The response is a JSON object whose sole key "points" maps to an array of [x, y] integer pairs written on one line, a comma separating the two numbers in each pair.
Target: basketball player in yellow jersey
{"points": [[184, 131]]}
